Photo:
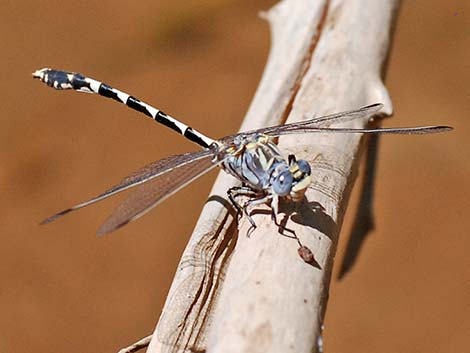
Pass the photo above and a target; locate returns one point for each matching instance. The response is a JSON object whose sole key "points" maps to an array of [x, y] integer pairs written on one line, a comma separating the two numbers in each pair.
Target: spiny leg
{"points": [[238, 191], [284, 228], [254, 202]]}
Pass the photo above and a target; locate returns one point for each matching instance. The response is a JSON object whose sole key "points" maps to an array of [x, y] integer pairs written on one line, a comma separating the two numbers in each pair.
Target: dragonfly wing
{"points": [[153, 192], [327, 120], [418, 130], [321, 125], [322, 121], [142, 175]]}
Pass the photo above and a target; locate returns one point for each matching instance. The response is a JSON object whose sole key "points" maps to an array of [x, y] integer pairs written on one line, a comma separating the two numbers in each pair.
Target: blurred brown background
{"points": [[65, 290]]}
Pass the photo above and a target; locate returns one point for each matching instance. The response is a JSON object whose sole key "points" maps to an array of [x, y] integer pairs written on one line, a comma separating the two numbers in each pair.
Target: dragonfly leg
{"points": [[254, 202], [284, 228], [238, 191]]}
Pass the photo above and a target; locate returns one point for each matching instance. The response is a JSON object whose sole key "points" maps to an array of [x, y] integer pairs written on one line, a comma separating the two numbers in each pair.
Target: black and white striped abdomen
{"points": [[64, 80]]}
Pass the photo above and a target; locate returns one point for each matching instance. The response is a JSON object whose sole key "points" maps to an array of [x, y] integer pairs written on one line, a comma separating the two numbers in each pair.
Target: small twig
{"points": [[144, 342]]}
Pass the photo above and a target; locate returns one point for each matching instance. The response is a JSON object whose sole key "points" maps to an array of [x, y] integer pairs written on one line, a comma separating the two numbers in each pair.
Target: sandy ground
{"points": [[64, 290]]}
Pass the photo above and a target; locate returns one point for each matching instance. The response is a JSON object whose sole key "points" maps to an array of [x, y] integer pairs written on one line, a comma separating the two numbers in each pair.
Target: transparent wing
{"points": [[327, 120], [154, 191], [418, 130], [322, 121], [320, 125], [142, 175]]}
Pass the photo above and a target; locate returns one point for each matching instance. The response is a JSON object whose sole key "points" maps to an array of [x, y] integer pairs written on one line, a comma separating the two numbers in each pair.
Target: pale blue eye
{"points": [[282, 184]]}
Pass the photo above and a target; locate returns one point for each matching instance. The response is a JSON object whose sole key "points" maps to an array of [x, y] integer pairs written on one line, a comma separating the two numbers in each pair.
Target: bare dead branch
{"points": [[232, 293]]}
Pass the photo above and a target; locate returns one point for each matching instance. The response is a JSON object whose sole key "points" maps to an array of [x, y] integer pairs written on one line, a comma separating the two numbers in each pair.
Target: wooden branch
{"points": [[232, 293]]}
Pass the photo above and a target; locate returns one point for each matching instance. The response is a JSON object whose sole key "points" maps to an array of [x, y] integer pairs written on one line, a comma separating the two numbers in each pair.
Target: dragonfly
{"points": [[252, 157]]}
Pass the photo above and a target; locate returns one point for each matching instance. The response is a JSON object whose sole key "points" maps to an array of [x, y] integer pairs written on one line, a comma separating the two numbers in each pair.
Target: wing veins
{"points": [[401, 130], [149, 195], [317, 122], [142, 175]]}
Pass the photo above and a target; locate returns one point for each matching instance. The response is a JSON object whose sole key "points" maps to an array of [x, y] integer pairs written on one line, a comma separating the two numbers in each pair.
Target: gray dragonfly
{"points": [[252, 157]]}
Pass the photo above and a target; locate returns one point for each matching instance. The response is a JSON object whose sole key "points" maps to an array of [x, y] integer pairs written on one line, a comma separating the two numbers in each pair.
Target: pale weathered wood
{"points": [[232, 293]]}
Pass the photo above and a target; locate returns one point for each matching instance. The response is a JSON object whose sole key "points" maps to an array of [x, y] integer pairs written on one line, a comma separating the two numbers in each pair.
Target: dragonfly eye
{"points": [[282, 183], [304, 167]]}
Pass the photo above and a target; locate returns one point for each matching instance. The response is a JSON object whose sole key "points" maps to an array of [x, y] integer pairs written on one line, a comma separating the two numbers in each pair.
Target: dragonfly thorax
{"points": [[258, 163]]}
